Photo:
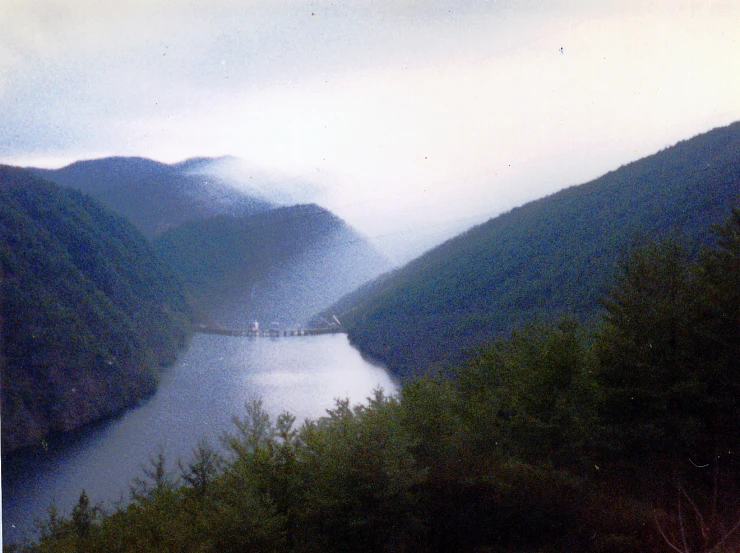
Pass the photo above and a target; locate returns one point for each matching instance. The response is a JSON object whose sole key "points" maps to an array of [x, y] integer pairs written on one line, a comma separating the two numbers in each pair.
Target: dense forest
{"points": [[279, 265], [89, 312], [619, 437], [91, 309], [155, 196], [240, 256], [552, 257]]}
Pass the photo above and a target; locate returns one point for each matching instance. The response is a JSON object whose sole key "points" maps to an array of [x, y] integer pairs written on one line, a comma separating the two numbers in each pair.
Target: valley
{"points": [[554, 257], [196, 399], [388, 277], [556, 363]]}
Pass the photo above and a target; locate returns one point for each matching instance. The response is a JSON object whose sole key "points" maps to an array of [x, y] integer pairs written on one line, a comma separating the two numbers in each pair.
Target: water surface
{"points": [[196, 400]]}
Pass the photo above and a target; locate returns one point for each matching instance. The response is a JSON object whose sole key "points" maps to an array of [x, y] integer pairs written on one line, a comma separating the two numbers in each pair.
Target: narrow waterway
{"points": [[196, 400]]}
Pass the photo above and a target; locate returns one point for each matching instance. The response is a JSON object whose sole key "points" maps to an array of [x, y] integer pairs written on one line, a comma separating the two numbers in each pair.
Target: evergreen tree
{"points": [[645, 353], [717, 333], [669, 354]]}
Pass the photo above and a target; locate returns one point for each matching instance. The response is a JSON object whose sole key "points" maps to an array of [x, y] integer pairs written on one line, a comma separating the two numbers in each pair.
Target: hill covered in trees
{"points": [[241, 256], [617, 439], [556, 255], [155, 196], [279, 265], [89, 313]]}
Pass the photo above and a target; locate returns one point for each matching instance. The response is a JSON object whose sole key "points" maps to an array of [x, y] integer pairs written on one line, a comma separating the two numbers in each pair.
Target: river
{"points": [[196, 400]]}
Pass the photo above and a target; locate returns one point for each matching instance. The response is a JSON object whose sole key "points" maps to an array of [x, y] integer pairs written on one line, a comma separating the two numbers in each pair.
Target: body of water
{"points": [[196, 400]]}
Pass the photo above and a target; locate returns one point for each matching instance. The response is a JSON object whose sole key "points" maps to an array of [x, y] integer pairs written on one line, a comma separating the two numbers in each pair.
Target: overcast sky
{"points": [[411, 119]]}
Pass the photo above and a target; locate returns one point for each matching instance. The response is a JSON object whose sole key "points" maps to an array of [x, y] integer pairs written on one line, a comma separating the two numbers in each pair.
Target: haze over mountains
{"points": [[155, 196], [91, 310], [551, 257], [543, 426], [281, 266], [241, 257], [615, 431]]}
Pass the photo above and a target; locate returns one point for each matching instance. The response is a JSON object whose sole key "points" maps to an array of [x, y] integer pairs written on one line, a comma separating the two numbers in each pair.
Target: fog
{"points": [[412, 120]]}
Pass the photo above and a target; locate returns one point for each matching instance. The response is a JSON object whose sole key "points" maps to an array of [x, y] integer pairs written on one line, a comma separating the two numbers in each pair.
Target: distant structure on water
{"points": [[274, 331]]}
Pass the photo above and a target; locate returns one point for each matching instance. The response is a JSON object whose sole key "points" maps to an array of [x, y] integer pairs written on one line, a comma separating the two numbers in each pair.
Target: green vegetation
{"points": [[154, 196], [239, 256], [558, 438], [88, 311], [552, 257], [284, 264]]}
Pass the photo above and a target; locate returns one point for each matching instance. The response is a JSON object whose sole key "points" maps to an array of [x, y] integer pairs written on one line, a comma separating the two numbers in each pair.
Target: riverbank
{"points": [[196, 399]]}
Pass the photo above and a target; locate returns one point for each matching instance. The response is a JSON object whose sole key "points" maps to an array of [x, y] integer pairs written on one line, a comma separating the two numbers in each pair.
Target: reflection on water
{"points": [[196, 400]]}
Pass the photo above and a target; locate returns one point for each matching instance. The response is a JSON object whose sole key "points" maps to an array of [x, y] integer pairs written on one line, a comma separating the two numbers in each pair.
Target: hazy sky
{"points": [[410, 119]]}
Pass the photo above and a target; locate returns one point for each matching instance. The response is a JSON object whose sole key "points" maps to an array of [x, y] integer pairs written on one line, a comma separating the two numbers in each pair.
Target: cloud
{"points": [[440, 111], [280, 190]]}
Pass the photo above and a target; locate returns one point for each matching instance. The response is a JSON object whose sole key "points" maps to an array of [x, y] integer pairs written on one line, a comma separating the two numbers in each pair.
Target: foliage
{"points": [[154, 196], [646, 351], [668, 352], [668, 371], [283, 264], [533, 392], [551, 257], [535, 444], [89, 312]]}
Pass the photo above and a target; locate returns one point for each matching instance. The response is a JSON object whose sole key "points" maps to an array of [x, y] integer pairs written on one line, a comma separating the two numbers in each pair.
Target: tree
{"points": [[646, 354], [718, 320], [203, 469], [530, 393], [82, 516], [669, 355], [157, 482]]}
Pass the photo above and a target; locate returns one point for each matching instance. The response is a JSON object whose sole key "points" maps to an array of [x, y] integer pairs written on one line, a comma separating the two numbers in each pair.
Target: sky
{"points": [[411, 119]]}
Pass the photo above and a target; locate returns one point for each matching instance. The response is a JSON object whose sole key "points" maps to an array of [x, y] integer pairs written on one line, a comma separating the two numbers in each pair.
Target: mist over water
{"points": [[314, 278], [196, 400]]}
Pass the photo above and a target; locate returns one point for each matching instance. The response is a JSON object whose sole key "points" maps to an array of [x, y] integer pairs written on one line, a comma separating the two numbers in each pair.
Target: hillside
{"points": [[282, 265], [553, 256], [155, 196], [555, 439], [89, 313]]}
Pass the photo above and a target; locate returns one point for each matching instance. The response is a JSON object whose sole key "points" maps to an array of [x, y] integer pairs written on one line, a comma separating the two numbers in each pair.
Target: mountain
{"points": [[219, 226], [280, 265], [155, 196], [550, 257], [89, 312], [272, 188]]}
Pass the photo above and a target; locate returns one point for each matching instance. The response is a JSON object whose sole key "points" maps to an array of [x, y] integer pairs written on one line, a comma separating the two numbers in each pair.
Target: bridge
{"points": [[268, 332]]}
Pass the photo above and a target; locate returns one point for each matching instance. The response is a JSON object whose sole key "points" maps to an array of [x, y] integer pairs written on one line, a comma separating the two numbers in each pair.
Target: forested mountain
{"points": [[242, 257], [89, 312], [617, 439], [552, 256], [155, 196], [281, 265]]}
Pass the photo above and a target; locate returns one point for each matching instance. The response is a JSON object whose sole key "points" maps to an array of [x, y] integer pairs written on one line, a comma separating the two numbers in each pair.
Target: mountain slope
{"points": [[154, 196], [552, 256], [88, 311], [282, 265]]}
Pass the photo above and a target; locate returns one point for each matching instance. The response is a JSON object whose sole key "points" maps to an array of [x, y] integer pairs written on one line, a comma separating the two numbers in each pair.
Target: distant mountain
{"points": [[281, 265], [552, 256], [88, 312], [217, 223], [275, 189], [155, 196]]}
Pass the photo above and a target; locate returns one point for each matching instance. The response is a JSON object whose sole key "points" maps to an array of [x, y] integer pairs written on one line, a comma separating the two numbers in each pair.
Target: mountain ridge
{"points": [[89, 312], [552, 255], [275, 265], [154, 196]]}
